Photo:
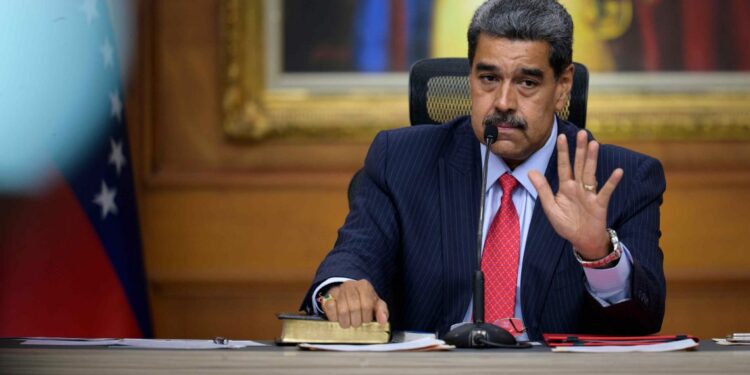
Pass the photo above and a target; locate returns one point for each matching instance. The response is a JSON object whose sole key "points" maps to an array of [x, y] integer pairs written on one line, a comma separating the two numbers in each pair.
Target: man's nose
{"points": [[505, 98]]}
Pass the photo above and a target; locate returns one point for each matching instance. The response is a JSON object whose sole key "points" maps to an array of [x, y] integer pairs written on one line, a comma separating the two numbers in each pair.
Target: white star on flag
{"points": [[107, 53], [106, 200], [115, 105], [116, 156], [89, 8]]}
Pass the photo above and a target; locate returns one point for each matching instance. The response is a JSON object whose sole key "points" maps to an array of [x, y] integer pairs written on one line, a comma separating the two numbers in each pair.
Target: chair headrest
{"points": [[439, 92]]}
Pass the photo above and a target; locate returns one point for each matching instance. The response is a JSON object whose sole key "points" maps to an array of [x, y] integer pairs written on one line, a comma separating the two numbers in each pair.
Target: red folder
{"points": [[571, 339]]}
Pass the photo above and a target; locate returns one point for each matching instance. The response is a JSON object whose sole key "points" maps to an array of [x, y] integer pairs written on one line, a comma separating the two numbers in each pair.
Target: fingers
{"points": [[584, 164], [588, 176], [367, 300], [355, 303], [354, 317], [381, 312], [578, 162], [563, 159], [609, 186], [329, 305], [542, 187]]}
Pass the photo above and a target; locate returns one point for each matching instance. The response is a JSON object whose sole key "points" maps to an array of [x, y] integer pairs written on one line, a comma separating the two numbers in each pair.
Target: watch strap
{"points": [[614, 255]]}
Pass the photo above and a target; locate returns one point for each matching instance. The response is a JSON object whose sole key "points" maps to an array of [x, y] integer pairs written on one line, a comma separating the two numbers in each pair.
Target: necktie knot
{"points": [[508, 183]]}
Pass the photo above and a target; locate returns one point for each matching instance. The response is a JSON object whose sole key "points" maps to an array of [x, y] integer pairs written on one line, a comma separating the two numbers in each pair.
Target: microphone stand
{"points": [[479, 334]]}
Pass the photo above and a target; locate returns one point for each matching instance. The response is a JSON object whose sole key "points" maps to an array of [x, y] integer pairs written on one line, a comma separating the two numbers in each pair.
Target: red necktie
{"points": [[500, 256]]}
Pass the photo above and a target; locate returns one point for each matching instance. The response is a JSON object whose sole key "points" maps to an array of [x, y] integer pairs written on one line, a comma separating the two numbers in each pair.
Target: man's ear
{"points": [[564, 85]]}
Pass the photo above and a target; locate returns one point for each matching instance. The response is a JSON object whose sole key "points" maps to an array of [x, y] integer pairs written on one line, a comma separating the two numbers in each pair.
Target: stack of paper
{"points": [[661, 347], [735, 339], [573, 343], [142, 343], [422, 344]]}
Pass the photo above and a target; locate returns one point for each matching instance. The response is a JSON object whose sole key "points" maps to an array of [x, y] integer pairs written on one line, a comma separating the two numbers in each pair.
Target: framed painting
{"points": [[661, 69]]}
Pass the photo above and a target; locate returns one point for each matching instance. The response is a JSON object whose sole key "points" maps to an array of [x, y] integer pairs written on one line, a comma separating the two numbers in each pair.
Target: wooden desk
{"points": [[288, 360]]}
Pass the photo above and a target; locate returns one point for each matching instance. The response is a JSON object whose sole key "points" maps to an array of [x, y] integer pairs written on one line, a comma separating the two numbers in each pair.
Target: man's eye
{"points": [[487, 78], [528, 83]]}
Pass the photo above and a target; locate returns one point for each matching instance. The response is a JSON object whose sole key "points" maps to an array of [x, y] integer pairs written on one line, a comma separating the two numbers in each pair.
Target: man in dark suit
{"points": [[575, 249]]}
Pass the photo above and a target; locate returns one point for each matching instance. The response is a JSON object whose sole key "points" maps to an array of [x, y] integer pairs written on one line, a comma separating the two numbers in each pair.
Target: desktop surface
{"points": [[21, 359]]}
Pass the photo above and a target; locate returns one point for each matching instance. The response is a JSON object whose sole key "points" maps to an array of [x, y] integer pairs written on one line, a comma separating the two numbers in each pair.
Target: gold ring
{"points": [[323, 299], [591, 188]]}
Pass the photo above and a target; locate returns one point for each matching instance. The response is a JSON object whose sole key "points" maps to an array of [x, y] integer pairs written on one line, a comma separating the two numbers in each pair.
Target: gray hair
{"points": [[531, 20]]}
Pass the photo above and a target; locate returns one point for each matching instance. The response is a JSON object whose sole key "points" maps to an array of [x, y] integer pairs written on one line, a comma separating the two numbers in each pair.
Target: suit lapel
{"points": [[459, 176], [544, 247]]}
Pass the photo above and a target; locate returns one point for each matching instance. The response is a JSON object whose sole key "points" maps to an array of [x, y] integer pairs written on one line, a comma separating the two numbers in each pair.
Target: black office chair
{"points": [[439, 92]]}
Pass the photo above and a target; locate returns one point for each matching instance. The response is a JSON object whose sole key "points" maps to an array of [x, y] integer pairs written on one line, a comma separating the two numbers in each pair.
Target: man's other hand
{"points": [[578, 212], [353, 303]]}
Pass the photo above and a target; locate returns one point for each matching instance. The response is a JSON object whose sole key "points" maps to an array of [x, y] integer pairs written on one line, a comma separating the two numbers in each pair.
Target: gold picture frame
{"points": [[260, 103]]}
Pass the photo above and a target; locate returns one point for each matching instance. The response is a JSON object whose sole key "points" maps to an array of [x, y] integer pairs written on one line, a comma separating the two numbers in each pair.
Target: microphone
{"points": [[479, 334]]}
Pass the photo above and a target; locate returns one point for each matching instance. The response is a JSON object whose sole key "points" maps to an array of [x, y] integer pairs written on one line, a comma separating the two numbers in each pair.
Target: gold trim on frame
{"points": [[670, 116], [244, 113], [252, 111]]}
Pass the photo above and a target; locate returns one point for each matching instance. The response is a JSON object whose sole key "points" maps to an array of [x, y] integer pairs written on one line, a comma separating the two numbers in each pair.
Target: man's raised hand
{"points": [[578, 212]]}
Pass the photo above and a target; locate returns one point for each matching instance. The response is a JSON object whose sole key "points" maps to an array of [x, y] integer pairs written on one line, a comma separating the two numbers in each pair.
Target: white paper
{"points": [[662, 347], [729, 343], [187, 344], [405, 336], [144, 343], [70, 342], [423, 343]]}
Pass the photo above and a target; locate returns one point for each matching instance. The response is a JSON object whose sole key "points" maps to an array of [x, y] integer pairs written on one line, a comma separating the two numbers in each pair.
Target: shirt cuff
{"points": [[329, 281], [609, 286]]}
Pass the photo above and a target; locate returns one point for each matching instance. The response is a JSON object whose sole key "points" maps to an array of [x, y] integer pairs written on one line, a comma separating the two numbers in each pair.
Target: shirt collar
{"points": [[537, 161]]}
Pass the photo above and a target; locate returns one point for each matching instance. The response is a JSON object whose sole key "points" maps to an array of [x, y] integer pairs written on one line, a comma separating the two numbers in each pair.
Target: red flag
{"points": [[70, 257]]}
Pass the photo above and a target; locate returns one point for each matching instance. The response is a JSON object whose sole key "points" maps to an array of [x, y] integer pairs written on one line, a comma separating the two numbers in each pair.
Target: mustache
{"points": [[507, 118]]}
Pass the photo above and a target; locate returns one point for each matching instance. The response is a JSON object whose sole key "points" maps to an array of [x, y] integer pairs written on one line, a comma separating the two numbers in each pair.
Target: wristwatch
{"points": [[607, 259]]}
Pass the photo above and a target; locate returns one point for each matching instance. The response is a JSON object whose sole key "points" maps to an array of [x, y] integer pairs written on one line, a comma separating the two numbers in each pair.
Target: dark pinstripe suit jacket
{"points": [[412, 233]]}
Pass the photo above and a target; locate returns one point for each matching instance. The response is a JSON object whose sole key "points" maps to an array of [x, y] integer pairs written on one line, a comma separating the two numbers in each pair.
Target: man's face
{"points": [[513, 87]]}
